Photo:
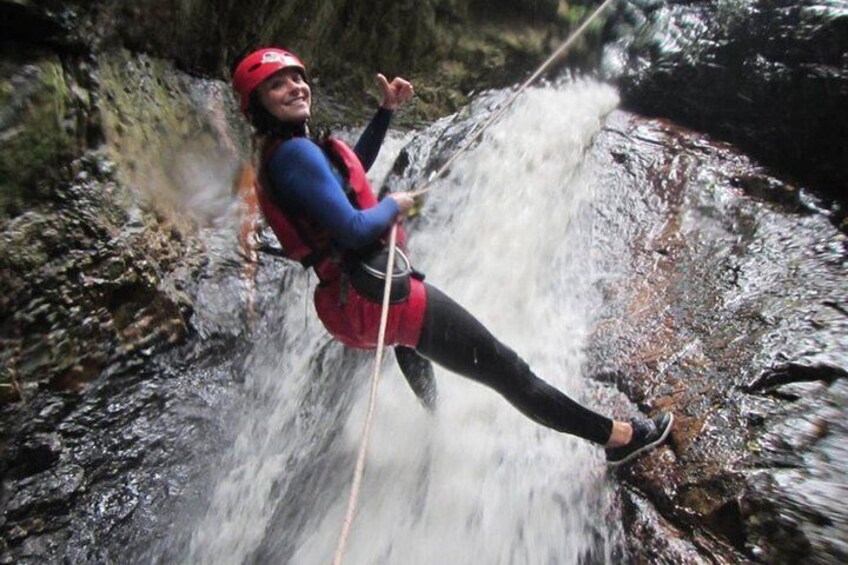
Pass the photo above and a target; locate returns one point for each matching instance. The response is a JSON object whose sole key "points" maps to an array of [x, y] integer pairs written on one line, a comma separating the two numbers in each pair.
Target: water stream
{"points": [[508, 234]]}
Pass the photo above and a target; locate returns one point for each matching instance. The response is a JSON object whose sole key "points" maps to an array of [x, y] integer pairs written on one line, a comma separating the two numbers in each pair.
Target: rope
{"points": [[384, 314], [428, 186], [372, 402]]}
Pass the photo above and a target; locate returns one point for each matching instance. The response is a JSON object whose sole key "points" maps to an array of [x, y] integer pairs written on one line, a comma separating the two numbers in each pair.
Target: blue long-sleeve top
{"points": [[304, 182]]}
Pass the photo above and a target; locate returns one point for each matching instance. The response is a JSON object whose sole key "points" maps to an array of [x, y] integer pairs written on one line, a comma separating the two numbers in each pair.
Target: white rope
{"points": [[427, 186], [372, 402], [384, 314]]}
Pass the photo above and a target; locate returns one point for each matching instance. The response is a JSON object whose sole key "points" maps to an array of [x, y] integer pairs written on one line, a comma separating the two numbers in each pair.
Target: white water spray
{"points": [[509, 237]]}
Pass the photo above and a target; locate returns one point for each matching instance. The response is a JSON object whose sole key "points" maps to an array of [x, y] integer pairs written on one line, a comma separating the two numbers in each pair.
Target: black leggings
{"points": [[454, 339]]}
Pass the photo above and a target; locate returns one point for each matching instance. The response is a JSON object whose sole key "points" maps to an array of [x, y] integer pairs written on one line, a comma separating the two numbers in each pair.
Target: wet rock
{"points": [[82, 546], [718, 314], [39, 452], [60, 225], [784, 524], [61, 333], [653, 539], [52, 489], [776, 378], [800, 506], [170, 136], [37, 127], [97, 278], [771, 76]]}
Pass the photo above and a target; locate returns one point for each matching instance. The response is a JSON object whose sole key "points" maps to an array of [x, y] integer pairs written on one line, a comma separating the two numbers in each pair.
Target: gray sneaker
{"points": [[647, 434]]}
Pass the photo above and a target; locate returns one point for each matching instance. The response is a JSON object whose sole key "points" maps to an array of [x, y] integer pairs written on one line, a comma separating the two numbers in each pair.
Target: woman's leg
{"points": [[455, 339], [419, 374]]}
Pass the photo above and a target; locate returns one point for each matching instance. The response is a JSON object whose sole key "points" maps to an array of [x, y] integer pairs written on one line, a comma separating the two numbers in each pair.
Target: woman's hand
{"points": [[395, 93], [405, 201]]}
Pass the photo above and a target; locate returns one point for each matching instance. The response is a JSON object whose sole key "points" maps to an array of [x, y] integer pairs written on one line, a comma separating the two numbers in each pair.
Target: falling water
{"points": [[508, 234]]}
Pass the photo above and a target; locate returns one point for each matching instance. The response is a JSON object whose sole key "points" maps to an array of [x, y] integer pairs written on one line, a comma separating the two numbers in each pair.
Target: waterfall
{"points": [[508, 234]]}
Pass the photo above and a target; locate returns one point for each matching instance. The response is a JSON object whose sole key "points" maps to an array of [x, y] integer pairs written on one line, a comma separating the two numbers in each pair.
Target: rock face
{"points": [[728, 307], [755, 364], [770, 76], [93, 273]]}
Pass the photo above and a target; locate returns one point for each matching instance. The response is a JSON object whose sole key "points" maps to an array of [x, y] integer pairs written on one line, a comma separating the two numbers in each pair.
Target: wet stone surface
{"points": [[97, 255], [769, 75], [729, 310], [118, 460], [87, 285]]}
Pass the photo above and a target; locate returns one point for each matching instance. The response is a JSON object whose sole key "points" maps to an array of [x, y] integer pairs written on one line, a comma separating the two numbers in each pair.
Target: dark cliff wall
{"points": [[768, 75]]}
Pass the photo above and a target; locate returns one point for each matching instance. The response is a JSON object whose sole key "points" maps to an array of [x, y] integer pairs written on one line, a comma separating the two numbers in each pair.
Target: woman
{"points": [[315, 196]]}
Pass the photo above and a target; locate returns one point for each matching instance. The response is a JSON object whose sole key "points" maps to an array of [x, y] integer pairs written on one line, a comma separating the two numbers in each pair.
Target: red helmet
{"points": [[258, 66]]}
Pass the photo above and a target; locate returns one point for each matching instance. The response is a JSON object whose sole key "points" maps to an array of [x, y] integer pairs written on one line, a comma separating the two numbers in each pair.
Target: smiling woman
{"points": [[286, 95], [317, 199]]}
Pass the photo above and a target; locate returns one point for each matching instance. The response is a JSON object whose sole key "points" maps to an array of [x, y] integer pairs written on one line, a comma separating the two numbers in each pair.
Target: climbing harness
{"points": [[368, 275], [426, 187]]}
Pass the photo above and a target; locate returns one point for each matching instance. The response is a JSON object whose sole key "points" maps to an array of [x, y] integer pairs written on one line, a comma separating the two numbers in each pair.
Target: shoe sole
{"points": [[647, 446]]}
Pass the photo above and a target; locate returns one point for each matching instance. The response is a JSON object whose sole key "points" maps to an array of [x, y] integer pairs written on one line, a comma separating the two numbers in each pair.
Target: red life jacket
{"points": [[302, 240], [351, 318]]}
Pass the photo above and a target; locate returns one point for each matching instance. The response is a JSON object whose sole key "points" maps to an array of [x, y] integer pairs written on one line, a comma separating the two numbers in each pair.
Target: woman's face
{"points": [[286, 95]]}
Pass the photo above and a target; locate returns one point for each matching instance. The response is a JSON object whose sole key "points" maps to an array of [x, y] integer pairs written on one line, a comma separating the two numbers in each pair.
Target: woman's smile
{"points": [[287, 96]]}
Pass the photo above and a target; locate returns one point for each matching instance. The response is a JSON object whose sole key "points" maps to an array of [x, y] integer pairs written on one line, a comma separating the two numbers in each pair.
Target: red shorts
{"points": [[356, 323]]}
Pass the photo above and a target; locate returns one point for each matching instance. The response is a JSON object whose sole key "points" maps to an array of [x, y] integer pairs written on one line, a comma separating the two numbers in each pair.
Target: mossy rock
{"points": [[37, 129], [157, 121]]}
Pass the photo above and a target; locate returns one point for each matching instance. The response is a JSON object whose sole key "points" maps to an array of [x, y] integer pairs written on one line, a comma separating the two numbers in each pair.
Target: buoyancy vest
{"points": [[302, 240], [349, 316]]}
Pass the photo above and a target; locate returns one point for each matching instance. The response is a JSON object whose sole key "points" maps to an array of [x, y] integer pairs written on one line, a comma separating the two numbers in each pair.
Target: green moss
{"points": [[150, 120], [140, 105], [36, 141]]}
